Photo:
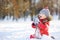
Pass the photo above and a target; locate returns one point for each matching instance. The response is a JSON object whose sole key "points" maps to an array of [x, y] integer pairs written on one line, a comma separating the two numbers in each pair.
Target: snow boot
{"points": [[32, 36], [52, 37]]}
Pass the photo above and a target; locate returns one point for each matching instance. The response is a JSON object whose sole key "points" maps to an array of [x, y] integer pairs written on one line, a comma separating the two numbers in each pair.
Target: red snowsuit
{"points": [[42, 27]]}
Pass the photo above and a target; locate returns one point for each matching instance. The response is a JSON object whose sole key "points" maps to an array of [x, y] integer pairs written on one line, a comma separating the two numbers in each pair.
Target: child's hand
{"points": [[33, 25]]}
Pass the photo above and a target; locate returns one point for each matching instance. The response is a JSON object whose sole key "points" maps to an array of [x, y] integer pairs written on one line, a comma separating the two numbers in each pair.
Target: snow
{"points": [[21, 30]]}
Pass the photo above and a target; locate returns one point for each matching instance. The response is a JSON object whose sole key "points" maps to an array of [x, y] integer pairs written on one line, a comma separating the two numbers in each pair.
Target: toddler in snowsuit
{"points": [[44, 18]]}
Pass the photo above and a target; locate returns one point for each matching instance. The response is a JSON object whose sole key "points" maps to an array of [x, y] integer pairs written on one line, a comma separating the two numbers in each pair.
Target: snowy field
{"points": [[21, 30]]}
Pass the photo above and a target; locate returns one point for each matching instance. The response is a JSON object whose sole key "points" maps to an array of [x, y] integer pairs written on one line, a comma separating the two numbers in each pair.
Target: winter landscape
{"points": [[21, 30], [16, 18]]}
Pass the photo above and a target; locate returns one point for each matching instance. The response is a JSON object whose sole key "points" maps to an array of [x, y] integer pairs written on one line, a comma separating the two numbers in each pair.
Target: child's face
{"points": [[41, 16]]}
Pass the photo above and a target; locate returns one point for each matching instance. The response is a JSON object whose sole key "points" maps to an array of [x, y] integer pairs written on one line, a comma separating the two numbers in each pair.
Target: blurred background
{"points": [[16, 17], [24, 8]]}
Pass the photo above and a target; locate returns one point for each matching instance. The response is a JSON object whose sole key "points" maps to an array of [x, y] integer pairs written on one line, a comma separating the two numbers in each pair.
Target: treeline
{"points": [[23, 8]]}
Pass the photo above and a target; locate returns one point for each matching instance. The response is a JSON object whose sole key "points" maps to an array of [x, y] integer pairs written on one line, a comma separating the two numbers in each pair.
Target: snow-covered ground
{"points": [[21, 30]]}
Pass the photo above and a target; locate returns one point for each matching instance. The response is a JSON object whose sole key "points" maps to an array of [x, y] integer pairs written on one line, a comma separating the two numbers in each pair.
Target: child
{"points": [[44, 18]]}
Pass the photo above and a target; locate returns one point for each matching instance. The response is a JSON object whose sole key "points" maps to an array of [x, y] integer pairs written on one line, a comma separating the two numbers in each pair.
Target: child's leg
{"points": [[37, 34]]}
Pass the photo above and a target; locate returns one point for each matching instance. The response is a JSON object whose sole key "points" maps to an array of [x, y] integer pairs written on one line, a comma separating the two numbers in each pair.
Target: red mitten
{"points": [[33, 25]]}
